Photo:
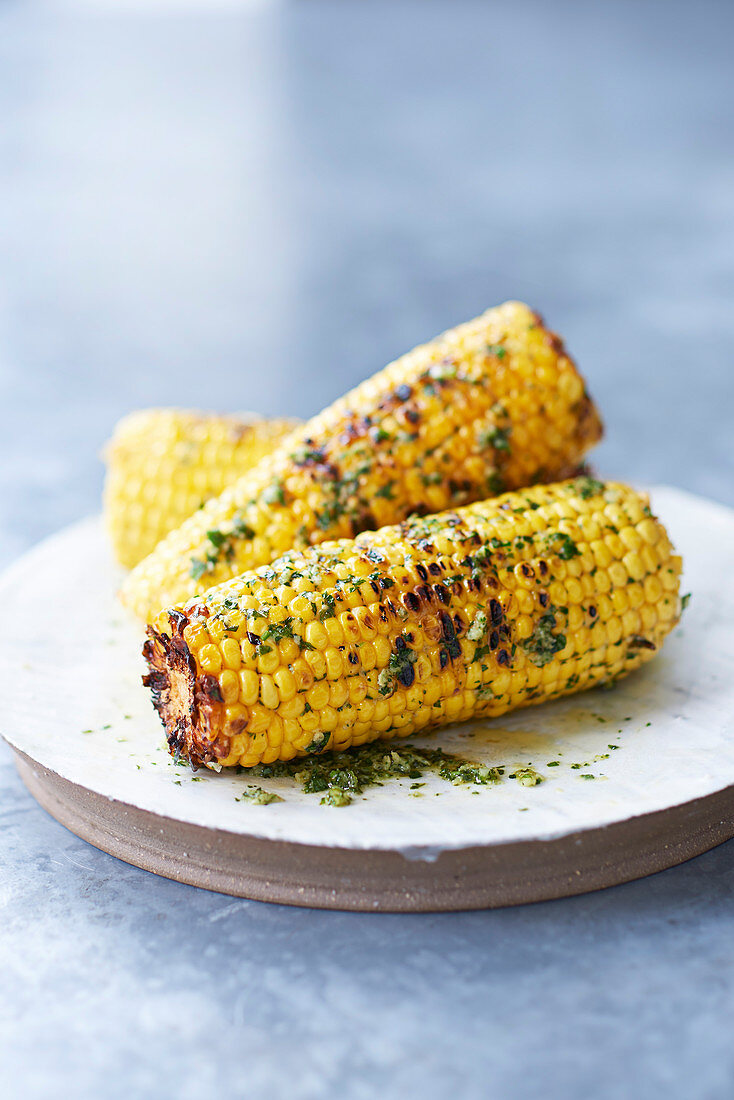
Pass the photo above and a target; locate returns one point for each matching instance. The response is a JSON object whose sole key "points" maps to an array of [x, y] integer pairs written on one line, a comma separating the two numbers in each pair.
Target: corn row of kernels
{"points": [[162, 464], [493, 404]]}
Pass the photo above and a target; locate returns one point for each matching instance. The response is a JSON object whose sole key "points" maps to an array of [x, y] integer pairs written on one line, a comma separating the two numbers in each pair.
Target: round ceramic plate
{"points": [[633, 780]]}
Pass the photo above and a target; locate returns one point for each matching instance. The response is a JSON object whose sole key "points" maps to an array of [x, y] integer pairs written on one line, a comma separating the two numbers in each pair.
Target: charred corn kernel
{"points": [[444, 425], [229, 683], [162, 464], [459, 644]]}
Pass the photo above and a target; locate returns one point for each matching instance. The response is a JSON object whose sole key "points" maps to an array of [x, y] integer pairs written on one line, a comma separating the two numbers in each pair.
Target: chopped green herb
{"points": [[319, 742], [498, 438], [399, 667], [562, 545], [328, 606], [543, 644], [527, 777], [257, 796], [352, 770], [274, 493], [588, 487], [336, 797], [478, 628], [307, 455], [199, 567], [386, 491]]}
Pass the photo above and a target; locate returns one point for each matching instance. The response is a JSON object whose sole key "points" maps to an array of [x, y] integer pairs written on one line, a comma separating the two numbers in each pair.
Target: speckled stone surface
{"points": [[255, 208]]}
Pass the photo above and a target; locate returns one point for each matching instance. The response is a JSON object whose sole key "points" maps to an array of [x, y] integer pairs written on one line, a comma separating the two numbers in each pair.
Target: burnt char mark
{"points": [[544, 600], [209, 687], [356, 428], [178, 621], [397, 396], [448, 631], [406, 675], [638, 642], [503, 657], [447, 626], [421, 571], [315, 460], [435, 569], [443, 593], [495, 612], [424, 593], [157, 681], [494, 640], [411, 601], [189, 706], [459, 487], [183, 654]]}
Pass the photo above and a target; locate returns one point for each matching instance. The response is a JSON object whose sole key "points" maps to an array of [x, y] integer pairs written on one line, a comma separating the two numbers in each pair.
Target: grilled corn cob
{"points": [[493, 404], [495, 606], [162, 464]]}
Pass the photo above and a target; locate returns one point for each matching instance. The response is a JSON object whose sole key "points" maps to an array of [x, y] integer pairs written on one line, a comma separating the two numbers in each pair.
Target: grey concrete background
{"points": [[255, 207]]}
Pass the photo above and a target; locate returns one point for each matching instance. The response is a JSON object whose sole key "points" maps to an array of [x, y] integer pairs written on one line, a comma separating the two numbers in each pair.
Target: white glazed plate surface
{"points": [[70, 659]]}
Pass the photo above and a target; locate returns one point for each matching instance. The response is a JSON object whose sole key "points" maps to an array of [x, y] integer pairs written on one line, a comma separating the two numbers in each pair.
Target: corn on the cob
{"points": [[493, 404], [163, 464], [497, 605]]}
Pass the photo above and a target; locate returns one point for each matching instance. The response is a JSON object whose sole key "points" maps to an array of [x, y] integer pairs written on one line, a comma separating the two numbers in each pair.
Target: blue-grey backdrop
{"points": [[255, 206]]}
